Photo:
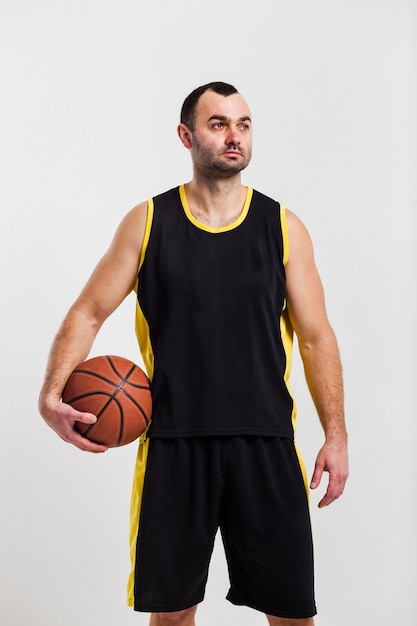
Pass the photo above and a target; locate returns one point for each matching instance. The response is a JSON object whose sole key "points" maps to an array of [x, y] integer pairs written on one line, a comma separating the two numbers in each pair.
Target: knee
{"points": [[174, 618], [282, 621]]}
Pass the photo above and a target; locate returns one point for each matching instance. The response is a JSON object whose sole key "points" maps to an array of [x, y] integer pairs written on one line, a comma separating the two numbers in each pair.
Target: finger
{"points": [[334, 491], [86, 445], [85, 418], [74, 437], [68, 433], [82, 443], [325, 501], [317, 475], [73, 415]]}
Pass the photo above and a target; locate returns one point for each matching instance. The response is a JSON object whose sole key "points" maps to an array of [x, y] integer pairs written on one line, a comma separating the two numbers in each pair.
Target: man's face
{"points": [[222, 135]]}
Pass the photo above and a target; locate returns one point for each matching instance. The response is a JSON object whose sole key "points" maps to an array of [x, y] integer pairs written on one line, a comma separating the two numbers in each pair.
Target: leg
{"points": [[178, 522], [283, 621], [266, 531], [175, 618]]}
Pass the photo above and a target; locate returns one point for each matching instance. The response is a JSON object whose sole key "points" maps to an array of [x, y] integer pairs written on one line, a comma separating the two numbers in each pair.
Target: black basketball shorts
{"points": [[250, 487]]}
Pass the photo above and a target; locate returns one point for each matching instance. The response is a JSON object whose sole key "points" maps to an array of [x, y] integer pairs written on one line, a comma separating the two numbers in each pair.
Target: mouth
{"points": [[233, 153]]}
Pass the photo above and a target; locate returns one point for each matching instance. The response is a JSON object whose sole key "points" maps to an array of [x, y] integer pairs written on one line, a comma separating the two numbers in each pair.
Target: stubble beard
{"points": [[209, 163]]}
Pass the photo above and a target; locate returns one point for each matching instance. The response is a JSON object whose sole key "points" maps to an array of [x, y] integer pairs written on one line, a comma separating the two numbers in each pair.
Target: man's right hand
{"points": [[61, 418]]}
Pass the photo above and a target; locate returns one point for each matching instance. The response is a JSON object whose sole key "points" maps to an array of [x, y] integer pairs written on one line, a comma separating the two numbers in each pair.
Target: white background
{"points": [[90, 94]]}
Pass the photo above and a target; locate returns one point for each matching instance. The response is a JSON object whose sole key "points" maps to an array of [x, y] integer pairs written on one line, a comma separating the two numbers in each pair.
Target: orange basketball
{"points": [[117, 392]]}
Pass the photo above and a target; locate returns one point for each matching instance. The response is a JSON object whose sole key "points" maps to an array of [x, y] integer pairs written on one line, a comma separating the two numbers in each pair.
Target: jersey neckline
{"points": [[220, 229]]}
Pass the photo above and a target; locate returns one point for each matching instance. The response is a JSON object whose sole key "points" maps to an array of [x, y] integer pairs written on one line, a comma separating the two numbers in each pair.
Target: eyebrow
{"points": [[224, 118]]}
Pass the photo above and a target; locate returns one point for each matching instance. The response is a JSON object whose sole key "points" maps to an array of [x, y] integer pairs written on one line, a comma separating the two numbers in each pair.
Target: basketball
{"points": [[117, 392]]}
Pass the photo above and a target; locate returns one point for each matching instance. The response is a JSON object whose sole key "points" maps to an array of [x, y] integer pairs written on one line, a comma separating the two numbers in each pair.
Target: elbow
{"points": [[319, 342]]}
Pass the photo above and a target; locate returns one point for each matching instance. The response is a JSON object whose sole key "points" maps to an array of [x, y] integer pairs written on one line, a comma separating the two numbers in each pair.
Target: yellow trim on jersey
{"points": [[141, 325], [147, 233], [135, 507], [287, 340], [221, 229], [142, 333], [286, 328], [284, 230]]}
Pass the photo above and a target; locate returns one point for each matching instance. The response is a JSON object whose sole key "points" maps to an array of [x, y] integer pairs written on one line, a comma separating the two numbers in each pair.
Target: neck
{"points": [[215, 202]]}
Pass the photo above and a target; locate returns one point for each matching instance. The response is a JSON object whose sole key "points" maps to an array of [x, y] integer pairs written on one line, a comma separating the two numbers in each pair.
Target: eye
{"points": [[218, 125]]}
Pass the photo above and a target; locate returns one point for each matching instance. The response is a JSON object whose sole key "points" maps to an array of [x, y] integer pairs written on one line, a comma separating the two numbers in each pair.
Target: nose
{"points": [[232, 136]]}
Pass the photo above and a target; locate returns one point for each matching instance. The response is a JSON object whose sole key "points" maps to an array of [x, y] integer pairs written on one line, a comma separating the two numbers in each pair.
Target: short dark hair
{"points": [[190, 103]]}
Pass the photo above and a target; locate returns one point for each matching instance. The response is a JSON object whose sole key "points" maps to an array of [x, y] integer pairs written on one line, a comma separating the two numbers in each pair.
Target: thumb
{"points": [[86, 418], [78, 416]]}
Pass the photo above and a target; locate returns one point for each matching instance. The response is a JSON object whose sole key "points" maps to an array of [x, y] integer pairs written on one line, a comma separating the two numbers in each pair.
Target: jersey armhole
{"points": [[284, 229], [147, 234]]}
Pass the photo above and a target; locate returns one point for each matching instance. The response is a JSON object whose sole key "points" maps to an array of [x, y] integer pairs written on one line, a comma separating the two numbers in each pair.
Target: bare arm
{"points": [[320, 356], [111, 281]]}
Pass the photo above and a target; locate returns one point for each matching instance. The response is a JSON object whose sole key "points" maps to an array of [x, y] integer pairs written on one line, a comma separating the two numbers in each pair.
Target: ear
{"points": [[184, 134]]}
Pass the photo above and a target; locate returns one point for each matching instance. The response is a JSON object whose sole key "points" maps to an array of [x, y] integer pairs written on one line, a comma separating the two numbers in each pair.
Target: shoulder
{"points": [[134, 222], [267, 209], [129, 235], [137, 217], [299, 239], [263, 199], [292, 226], [167, 197]]}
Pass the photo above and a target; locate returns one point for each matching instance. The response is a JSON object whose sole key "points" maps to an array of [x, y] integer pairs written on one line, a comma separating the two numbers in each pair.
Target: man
{"points": [[225, 275]]}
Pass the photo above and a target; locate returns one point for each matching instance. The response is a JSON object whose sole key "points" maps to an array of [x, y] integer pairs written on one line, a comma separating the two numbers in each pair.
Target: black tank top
{"points": [[212, 323]]}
